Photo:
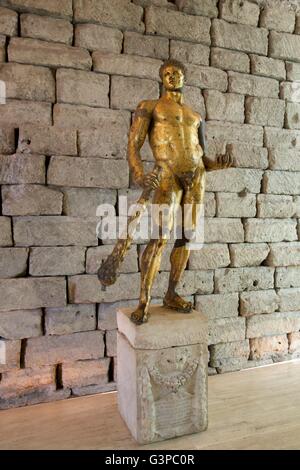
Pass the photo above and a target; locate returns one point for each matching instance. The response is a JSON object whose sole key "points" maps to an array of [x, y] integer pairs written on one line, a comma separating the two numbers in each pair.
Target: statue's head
{"points": [[172, 73]]}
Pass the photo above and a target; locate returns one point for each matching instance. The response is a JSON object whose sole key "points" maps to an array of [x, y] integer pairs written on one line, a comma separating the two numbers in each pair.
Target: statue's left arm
{"points": [[221, 162]]}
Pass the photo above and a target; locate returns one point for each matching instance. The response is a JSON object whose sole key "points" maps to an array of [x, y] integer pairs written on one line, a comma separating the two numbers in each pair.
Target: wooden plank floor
{"points": [[252, 409]]}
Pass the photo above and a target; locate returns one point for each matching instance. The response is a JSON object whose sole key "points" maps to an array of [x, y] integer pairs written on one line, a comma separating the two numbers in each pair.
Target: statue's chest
{"points": [[175, 114]]}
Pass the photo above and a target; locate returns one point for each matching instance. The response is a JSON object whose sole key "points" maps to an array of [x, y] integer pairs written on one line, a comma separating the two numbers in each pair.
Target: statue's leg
{"points": [[167, 195], [193, 197]]}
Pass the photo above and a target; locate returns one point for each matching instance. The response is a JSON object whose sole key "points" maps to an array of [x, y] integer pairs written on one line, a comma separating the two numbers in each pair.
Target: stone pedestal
{"points": [[162, 374]]}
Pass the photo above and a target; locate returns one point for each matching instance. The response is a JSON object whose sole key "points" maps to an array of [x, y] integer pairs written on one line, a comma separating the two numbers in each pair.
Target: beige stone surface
{"points": [[126, 92], [20, 168], [23, 199], [155, 366], [13, 262], [277, 323], [273, 346], [241, 279], [224, 330], [267, 67], [288, 277], [83, 88], [20, 324], [162, 330], [222, 352], [70, 319], [255, 303], [28, 293], [127, 65], [5, 232], [248, 254], [147, 46], [96, 37], [7, 140], [230, 60], [265, 111], [8, 22], [280, 18], [16, 113], [47, 29], [206, 77], [243, 38], [284, 159], [58, 260], [47, 140], [270, 230], [224, 106], [14, 383], [210, 256], [83, 202], [284, 254], [84, 373], [12, 354], [246, 156], [252, 85], [284, 46], [275, 206], [189, 52], [58, 8], [216, 306], [236, 205], [234, 11], [198, 7]]}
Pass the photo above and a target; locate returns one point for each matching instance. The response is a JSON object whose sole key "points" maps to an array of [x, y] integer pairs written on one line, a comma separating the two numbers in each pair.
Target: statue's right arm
{"points": [[137, 136]]}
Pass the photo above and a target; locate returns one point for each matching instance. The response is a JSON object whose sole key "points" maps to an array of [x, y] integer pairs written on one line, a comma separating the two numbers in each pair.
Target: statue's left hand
{"points": [[224, 161]]}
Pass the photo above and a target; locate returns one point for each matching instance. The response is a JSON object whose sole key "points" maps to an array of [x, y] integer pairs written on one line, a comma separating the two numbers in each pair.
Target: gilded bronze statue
{"points": [[177, 140]]}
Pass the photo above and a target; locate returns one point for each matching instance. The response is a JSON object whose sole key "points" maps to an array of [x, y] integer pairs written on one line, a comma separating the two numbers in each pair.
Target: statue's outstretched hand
{"points": [[224, 161]]}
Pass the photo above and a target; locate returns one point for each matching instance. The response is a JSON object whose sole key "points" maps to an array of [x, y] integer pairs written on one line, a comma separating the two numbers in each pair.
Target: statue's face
{"points": [[173, 78]]}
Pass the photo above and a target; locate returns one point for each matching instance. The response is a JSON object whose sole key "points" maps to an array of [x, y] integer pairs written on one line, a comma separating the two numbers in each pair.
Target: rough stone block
{"points": [[177, 25], [84, 373], [224, 106], [2, 48], [235, 11], [12, 354], [65, 348], [220, 353], [83, 202], [95, 256], [188, 52], [243, 38], [111, 343], [126, 92], [275, 206], [47, 29], [218, 305], [8, 22], [243, 279], [70, 319], [90, 119], [193, 98], [81, 87], [270, 230], [55, 261], [115, 13], [16, 113], [292, 71], [20, 168], [230, 60], [88, 172], [107, 141], [284, 254], [248, 254], [292, 116], [267, 67], [281, 138], [211, 256], [236, 205], [232, 365], [287, 277], [271, 346], [252, 85], [294, 342], [206, 77], [225, 330], [13, 262], [95, 37], [223, 231], [127, 65], [272, 324], [5, 232], [26, 380], [42, 395], [31, 200], [199, 7], [50, 54], [150, 46], [281, 182], [289, 299], [7, 140], [86, 289], [254, 303], [279, 18], [19, 324], [236, 180], [284, 159], [93, 389], [54, 230], [265, 111], [107, 312], [284, 46], [231, 132], [27, 293], [59, 8], [290, 91], [47, 140], [246, 156]]}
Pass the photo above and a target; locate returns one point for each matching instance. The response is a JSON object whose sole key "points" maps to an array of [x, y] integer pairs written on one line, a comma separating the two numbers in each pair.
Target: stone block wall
{"points": [[74, 72]]}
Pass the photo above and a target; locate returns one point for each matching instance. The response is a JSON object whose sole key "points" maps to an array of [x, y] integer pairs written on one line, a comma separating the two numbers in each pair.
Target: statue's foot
{"points": [[139, 316], [176, 302]]}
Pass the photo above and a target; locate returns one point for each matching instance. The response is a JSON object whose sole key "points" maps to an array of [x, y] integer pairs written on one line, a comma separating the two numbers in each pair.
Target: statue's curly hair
{"points": [[174, 63]]}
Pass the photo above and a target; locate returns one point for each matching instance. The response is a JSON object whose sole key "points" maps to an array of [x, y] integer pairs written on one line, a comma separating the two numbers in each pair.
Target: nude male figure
{"points": [[177, 139]]}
